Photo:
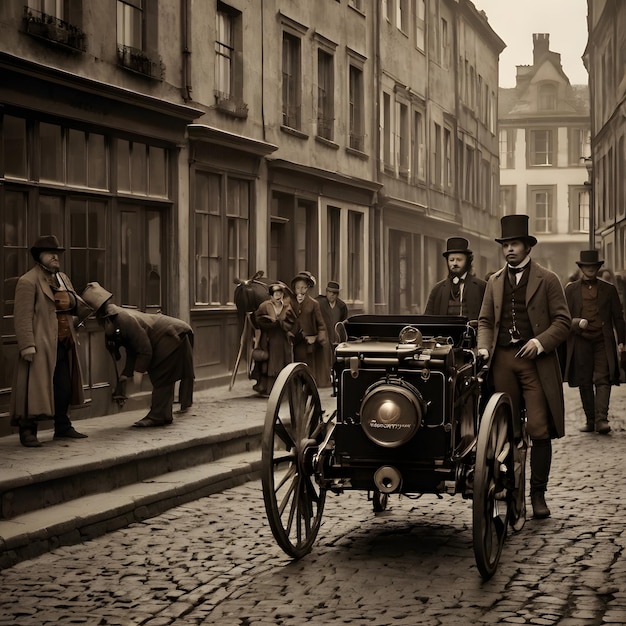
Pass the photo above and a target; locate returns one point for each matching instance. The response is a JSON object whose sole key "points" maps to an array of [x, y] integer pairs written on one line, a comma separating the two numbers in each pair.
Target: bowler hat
{"points": [[333, 286], [95, 295], [515, 227], [457, 244], [307, 277], [589, 257], [45, 243]]}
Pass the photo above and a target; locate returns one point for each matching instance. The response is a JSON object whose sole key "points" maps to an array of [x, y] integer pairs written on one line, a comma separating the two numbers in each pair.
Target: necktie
{"points": [[456, 287], [513, 272]]}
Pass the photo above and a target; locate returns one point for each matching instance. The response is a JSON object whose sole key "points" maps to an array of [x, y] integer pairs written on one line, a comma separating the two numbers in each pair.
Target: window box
{"points": [[138, 61], [54, 30], [227, 103]]}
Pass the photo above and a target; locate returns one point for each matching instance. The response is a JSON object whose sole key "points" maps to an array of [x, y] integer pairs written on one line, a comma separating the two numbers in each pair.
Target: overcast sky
{"points": [[515, 22]]}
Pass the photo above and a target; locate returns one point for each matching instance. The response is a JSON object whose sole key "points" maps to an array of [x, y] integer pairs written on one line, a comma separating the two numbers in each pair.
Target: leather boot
{"points": [[603, 396], [28, 437], [540, 462], [588, 401]]}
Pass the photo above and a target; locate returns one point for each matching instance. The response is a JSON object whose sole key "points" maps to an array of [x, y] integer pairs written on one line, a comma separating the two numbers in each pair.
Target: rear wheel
{"points": [[293, 431], [494, 483]]}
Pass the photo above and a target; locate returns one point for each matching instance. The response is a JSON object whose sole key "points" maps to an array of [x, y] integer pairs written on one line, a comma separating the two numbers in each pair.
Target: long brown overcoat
{"points": [[36, 325], [550, 320]]}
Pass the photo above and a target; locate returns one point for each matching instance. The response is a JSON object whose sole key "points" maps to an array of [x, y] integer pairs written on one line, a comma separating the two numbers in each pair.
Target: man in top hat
{"points": [[156, 344], [47, 378], [592, 355], [523, 319], [461, 293]]}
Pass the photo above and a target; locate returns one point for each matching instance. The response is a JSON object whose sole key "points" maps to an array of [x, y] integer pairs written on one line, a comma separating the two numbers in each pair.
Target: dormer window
{"points": [[547, 98]]}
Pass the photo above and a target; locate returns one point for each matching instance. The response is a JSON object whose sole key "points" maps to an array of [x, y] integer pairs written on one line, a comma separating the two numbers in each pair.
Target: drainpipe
{"points": [[186, 51]]}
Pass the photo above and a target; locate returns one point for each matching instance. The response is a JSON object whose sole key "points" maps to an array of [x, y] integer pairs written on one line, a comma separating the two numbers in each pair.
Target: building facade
{"points": [[605, 60], [176, 146], [544, 129]]}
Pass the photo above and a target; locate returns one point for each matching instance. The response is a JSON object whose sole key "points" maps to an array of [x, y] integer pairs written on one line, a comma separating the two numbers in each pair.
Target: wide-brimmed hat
{"points": [[45, 243], [457, 244], [515, 227], [589, 257], [333, 286], [95, 295], [307, 277]]}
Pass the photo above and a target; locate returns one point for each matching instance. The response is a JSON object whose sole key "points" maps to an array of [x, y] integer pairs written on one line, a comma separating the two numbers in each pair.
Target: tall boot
{"points": [[603, 396], [589, 407], [540, 461]]}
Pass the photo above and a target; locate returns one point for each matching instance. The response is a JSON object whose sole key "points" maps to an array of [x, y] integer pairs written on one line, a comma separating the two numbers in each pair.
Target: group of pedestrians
{"points": [[48, 378], [295, 327], [534, 335]]}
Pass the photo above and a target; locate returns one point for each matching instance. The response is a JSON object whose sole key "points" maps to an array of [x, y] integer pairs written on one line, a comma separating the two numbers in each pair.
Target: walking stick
{"points": [[242, 341]]}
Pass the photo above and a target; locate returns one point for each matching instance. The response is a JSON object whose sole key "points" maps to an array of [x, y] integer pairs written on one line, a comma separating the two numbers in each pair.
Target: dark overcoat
{"points": [[149, 340], [310, 323], [36, 325], [473, 293], [550, 320], [338, 313], [613, 324]]}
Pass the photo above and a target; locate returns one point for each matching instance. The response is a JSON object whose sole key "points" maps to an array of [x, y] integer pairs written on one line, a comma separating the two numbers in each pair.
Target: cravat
{"points": [[456, 287]]}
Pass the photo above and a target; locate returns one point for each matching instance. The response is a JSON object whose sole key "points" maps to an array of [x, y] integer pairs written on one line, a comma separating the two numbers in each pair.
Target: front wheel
{"points": [[494, 483], [293, 431]]}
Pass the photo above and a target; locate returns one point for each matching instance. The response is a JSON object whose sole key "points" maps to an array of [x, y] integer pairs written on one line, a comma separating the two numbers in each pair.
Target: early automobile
{"points": [[412, 417]]}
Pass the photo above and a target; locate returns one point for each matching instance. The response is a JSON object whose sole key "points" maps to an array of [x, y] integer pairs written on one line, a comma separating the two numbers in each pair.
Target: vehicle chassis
{"points": [[412, 417]]}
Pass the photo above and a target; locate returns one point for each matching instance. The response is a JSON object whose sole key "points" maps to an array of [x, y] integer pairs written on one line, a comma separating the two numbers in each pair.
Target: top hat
{"points": [[45, 243], [95, 295], [589, 257], [333, 286], [515, 227], [307, 277], [457, 244]]}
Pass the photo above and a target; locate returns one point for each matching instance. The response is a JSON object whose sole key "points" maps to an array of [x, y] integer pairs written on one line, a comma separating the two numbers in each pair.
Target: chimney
{"points": [[541, 46]]}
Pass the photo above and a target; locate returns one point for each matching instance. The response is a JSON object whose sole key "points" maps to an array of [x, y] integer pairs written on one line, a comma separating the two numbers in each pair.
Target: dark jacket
{"points": [[613, 324], [550, 320], [332, 316], [473, 293]]}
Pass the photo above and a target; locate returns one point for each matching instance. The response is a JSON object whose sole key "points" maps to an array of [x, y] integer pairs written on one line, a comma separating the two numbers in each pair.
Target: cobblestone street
{"points": [[214, 561]]}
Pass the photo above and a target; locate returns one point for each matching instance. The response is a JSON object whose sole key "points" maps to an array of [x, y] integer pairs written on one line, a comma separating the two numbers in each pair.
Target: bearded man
{"points": [[461, 293]]}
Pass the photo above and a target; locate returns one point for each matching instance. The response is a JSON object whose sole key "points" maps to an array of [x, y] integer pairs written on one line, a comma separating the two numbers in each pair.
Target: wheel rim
{"points": [[293, 430], [494, 484]]}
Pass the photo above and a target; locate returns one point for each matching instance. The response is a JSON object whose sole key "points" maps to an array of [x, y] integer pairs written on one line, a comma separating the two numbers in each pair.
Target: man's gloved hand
{"points": [[484, 353], [28, 353]]}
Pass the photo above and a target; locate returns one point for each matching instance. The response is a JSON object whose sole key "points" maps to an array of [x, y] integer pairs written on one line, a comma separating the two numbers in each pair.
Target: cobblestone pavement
{"points": [[214, 561]]}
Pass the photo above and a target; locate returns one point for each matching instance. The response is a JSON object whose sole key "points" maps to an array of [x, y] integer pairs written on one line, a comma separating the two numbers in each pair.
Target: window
{"points": [[436, 152], [356, 267], [387, 132], [579, 209], [222, 219], [387, 9], [402, 15], [141, 169], [404, 257], [404, 139], [55, 8], [444, 38], [420, 24], [357, 4], [507, 148], [578, 145], [508, 199], [334, 243], [417, 136], [547, 98], [291, 81], [130, 23], [325, 95], [447, 155], [542, 148], [224, 52], [541, 205], [15, 145], [356, 103], [470, 175]]}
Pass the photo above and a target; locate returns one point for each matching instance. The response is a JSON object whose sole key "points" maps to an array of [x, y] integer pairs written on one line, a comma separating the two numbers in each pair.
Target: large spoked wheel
{"points": [[293, 431], [494, 483]]}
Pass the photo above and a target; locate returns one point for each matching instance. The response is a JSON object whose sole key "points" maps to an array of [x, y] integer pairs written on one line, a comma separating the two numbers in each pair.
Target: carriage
{"points": [[412, 417]]}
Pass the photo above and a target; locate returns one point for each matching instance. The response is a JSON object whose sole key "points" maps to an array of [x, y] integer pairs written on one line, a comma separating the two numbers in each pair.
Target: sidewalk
{"points": [[68, 491]]}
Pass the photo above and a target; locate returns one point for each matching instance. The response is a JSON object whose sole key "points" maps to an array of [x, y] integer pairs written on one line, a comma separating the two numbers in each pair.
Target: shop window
{"points": [[87, 247], [14, 146], [222, 224]]}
